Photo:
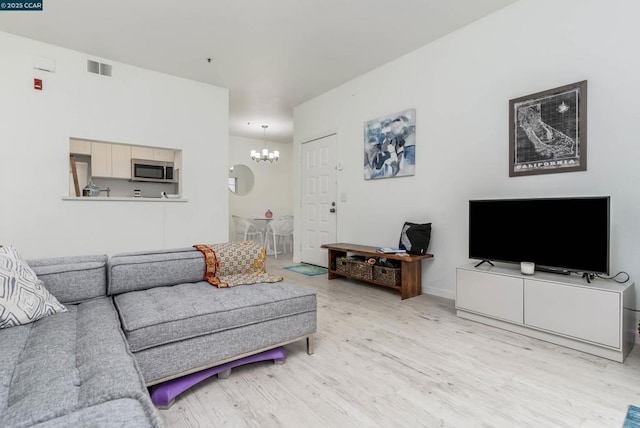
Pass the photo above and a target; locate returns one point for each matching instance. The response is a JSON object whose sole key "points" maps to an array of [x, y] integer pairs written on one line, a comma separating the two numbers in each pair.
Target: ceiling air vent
{"points": [[93, 66], [105, 69], [96, 67]]}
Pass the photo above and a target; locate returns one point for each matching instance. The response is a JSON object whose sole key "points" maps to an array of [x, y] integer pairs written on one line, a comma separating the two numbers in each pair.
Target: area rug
{"points": [[633, 418], [309, 270]]}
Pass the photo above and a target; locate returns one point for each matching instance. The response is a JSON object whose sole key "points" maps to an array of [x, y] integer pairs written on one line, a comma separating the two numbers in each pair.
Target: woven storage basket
{"points": [[354, 268], [386, 275], [342, 265]]}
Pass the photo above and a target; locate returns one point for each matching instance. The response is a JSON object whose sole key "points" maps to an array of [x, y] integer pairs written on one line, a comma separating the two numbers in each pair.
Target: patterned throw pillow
{"points": [[235, 263], [23, 298]]}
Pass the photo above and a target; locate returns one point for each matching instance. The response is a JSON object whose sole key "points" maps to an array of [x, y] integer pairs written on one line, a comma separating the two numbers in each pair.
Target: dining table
{"points": [[262, 223]]}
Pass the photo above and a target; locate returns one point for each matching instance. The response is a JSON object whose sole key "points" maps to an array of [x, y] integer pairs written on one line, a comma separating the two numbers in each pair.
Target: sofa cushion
{"points": [[69, 362], [172, 360], [164, 315], [23, 297], [143, 270], [123, 412], [73, 279]]}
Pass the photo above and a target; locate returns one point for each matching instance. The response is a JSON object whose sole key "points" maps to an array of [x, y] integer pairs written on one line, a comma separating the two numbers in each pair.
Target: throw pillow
{"points": [[23, 298], [415, 237]]}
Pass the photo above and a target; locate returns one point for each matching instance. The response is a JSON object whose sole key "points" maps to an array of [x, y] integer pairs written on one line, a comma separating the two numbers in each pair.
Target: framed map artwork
{"points": [[548, 131]]}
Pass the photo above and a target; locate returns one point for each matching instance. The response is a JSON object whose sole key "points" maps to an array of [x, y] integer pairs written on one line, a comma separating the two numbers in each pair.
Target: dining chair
{"points": [[280, 228], [247, 230], [260, 222]]}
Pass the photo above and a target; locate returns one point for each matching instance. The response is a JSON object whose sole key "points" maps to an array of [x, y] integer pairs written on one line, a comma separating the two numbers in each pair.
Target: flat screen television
{"points": [[562, 234]]}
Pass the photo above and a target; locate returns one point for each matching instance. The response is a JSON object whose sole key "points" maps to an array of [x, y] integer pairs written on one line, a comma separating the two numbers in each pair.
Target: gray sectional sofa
{"points": [[135, 320]]}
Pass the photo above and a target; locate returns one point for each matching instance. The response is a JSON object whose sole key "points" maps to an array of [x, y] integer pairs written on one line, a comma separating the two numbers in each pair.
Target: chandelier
{"points": [[265, 154]]}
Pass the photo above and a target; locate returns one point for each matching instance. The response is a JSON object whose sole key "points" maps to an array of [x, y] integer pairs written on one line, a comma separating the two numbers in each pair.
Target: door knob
{"points": [[332, 209]]}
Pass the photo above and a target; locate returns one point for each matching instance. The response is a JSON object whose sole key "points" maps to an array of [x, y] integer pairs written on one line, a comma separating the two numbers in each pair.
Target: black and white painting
{"points": [[548, 131], [390, 146]]}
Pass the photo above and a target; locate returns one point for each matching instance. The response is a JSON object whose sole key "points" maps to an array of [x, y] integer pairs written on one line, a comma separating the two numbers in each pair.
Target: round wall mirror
{"points": [[240, 179]]}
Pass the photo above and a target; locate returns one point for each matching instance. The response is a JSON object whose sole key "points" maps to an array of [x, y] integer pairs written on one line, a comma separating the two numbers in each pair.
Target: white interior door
{"points": [[318, 189]]}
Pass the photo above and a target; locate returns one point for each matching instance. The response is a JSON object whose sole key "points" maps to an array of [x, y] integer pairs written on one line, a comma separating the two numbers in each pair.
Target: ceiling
{"points": [[272, 55]]}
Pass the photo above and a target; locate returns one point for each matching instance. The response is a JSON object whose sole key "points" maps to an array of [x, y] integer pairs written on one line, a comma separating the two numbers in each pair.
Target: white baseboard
{"points": [[440, 292]]}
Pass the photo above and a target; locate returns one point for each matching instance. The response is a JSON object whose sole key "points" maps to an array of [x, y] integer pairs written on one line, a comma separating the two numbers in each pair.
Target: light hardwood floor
{"points": [[383, 362]]}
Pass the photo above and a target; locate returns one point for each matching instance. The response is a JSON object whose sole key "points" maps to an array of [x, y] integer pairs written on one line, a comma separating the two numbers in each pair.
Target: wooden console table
{"points": [[411, 266]]}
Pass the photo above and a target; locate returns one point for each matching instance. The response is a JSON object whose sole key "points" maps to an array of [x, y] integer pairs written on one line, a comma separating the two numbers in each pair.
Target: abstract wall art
{"points": [[390, 145], [548, 131]]}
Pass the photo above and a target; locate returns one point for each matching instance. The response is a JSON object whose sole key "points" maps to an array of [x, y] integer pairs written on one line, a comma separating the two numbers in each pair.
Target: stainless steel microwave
{"points": [[148, 170]]}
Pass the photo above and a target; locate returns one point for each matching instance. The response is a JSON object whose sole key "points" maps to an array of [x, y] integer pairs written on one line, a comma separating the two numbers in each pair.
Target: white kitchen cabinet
{"points": [[152, 153], [120, 161], [101, 160], [591, 317], [139, 152], [79, 147], [110, 160], [165, 155], [114, 160]]}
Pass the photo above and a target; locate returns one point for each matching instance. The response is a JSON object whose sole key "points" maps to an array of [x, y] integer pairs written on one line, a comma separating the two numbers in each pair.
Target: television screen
{"points": [[569, 234]]}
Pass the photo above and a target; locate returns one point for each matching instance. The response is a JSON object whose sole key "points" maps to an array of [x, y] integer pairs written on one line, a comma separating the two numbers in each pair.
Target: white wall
{"points": [[273, 188], [135, 106], [460, 86]]}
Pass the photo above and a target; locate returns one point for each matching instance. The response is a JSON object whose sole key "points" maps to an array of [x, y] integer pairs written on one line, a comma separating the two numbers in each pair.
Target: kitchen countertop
{"points": [[121, 199]]}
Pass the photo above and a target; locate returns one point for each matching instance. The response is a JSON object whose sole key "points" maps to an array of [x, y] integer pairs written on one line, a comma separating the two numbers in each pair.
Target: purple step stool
{"points": [[164, 394]]}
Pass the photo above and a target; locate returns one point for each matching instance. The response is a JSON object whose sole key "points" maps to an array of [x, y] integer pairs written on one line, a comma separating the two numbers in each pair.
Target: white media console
{"points": [[562, 309]]}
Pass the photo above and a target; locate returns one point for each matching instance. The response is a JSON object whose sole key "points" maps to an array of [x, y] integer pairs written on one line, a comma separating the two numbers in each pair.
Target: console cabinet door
{"points": [[582, 313], [497, 296]]}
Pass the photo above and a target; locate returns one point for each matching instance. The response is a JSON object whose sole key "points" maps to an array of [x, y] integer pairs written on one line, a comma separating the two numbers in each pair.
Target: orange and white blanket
{"points": [[235, 263]]}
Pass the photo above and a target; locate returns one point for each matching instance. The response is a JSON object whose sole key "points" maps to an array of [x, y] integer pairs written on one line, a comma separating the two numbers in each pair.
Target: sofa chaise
{"points": [[133, 321], [176, 323]]}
